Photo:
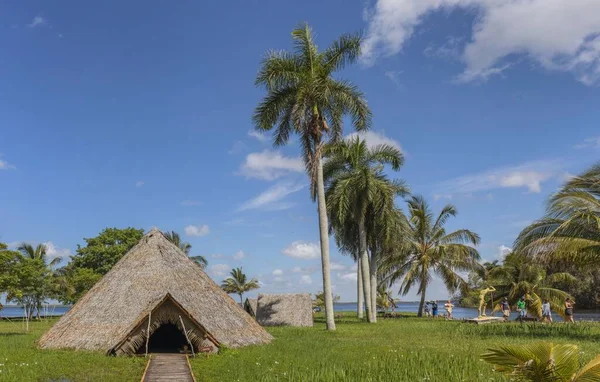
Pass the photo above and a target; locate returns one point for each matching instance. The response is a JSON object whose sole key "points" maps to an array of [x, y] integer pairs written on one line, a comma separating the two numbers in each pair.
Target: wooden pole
{"points": [[148, 332], [186, 336]]}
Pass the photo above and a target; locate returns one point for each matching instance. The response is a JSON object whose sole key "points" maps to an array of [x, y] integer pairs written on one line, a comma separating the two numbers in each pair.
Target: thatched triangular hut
{"points": [[155, 288], [284, 310], [250, 306]]}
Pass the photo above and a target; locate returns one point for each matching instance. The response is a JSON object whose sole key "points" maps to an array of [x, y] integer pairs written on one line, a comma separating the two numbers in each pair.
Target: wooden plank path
{"points": [[168, 367]]}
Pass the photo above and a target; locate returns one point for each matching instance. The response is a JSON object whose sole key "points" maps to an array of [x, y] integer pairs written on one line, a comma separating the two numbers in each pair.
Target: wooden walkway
{"points": [[168, 367]]}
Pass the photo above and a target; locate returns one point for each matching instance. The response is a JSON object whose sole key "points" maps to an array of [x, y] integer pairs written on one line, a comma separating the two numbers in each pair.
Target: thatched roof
{"points": [[250, 306], [284, 310], [151, 273]]}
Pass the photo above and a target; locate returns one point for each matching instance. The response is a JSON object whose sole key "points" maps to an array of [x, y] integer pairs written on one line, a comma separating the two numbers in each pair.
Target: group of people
{"points": [[433, 311], [546, 310]]}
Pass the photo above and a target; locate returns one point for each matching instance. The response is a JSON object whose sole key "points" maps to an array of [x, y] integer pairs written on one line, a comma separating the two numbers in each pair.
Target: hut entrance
{"points": [[167, 339]]}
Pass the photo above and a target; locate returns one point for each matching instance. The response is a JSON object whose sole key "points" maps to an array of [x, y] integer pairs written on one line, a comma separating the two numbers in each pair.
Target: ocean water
{"points": [[459, 312]]}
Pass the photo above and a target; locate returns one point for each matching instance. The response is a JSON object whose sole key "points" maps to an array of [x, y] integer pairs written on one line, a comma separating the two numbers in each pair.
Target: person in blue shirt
{"points": [[546, 312], [505, 306], [434, 309]]}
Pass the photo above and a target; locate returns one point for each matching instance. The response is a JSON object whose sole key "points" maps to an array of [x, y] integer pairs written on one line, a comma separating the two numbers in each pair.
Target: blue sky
{"points": [[139, 114]]}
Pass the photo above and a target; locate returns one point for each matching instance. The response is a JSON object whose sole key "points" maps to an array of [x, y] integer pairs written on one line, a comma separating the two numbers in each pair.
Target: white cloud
{"points": [[556, 34], [374, 138], [52, 251], [450, 49], [588, 143], [271, 199], [4, 165], [270, 165], [354, 267], [239, 255], [337, 266], [216, 255], [219, 269], [277, 272], [306, 280], [302, 250], [258, 136], [197, 230], [529, 175], [349, 276], [139, 183], [191, 203], [503, 250], [38, 21]]}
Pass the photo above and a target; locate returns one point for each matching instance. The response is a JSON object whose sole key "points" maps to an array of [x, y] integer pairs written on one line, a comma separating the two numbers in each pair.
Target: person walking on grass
{"points": [[546, 312], [448, 305], [522, 308], [427, 310], [434, 309], [569, 310], [505, 306]]}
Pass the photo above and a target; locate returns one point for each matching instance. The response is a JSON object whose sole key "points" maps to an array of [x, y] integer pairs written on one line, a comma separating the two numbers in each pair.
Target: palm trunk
{"points": [[242, 298], [324, 236], [421, 304], [360, 305], [373, 272], [364, 257]]}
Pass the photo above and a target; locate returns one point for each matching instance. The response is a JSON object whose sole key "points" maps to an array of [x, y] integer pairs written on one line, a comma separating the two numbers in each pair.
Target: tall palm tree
{"points": [[185, 247], [427, 249], [357, 191], [570, 230], [304, 98], [38, 253], [519, 276], [238, 283], [543, 362]]}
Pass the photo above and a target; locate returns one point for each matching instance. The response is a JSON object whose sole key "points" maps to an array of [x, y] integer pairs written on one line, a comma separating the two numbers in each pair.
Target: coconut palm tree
{"points": [[304, 98], [543, 362], [358, 190], [185, 247], [519, 276], [238, 283], [427, 249], [38, 253], [385, 301], [570, 230]]}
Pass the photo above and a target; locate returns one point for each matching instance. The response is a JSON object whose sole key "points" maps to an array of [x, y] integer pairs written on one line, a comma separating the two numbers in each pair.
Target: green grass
{"points": [[21, 360], [407, 349], [404, 349]]}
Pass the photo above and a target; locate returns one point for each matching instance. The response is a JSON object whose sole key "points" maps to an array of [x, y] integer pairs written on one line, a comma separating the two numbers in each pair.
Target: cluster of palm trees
{"points": [[355, 197]]}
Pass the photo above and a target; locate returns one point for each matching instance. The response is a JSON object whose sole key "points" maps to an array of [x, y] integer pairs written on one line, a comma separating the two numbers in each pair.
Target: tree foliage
{"points": [[238, 283], [102, 252]]}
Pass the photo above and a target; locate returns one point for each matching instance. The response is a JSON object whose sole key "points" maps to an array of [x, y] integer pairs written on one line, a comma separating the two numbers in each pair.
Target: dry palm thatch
{"points": [[284, 310], [250, 306], [155, 280]]}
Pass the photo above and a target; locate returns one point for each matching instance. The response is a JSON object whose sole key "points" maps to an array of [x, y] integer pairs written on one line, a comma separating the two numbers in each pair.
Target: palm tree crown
{"points": [[571, 228], [237, 283], [303, 98], [185, 247], [426, 249], [38, 253]]}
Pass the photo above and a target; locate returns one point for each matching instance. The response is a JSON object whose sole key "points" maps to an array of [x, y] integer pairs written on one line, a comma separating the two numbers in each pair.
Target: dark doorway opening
{"points": [[167, 339]]}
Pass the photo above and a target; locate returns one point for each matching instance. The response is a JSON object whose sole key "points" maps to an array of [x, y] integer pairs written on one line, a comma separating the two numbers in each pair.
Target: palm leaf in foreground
{"points": [[543, 362]]}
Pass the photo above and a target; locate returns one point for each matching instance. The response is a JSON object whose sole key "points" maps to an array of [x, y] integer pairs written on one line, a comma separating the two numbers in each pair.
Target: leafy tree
{"points": [[73, 284], [185, 247], [543, 362], [239, 284], [570, 230], [426, 249], [303, 98], [385, 301], [358, 191], [102, 252]]}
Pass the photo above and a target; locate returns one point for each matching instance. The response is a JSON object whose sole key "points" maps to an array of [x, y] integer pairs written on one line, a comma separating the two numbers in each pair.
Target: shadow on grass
{"points": [[12, 334]]}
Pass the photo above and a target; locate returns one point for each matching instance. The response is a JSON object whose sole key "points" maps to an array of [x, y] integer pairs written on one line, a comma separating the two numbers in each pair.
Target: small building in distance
{"points": [[284, 309]]}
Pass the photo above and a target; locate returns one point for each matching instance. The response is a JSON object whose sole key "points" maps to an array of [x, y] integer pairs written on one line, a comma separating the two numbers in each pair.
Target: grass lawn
{"points": [[407, 349]]}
